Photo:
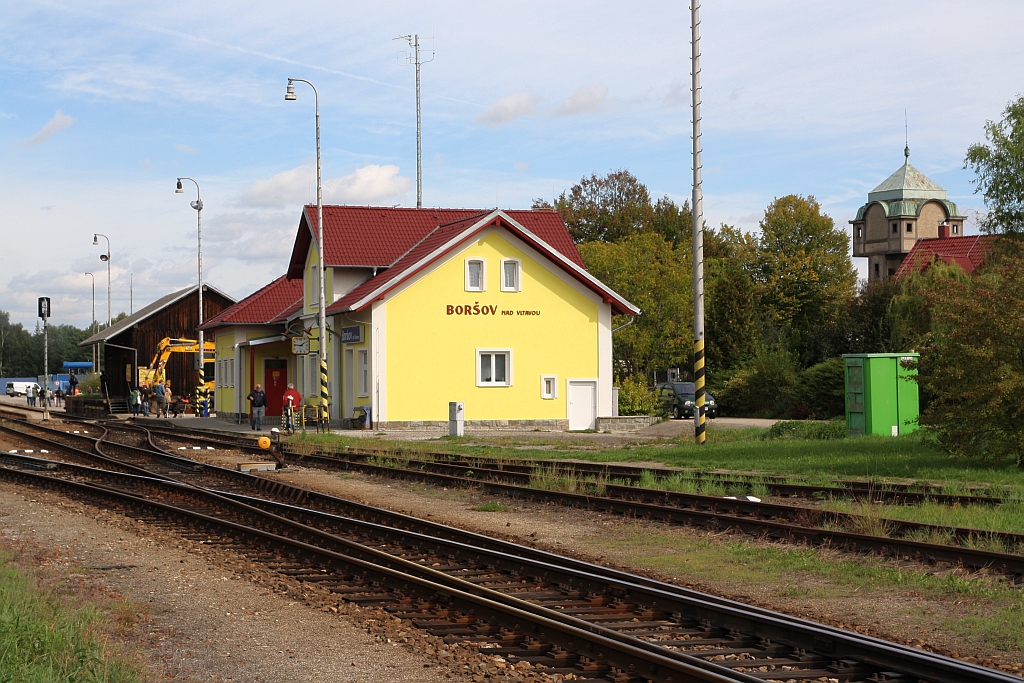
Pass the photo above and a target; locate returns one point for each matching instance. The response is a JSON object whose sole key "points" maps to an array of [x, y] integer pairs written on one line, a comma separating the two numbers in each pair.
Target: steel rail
{"points": [[564, 631], [558, 563], [746, 522]]}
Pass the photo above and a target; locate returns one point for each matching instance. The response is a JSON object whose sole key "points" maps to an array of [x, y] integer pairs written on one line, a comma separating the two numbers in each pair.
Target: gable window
{"points": [[510, 275], [895, 228], [549, 386], [956, 228], [910, 227], [475, 275], [494, 367], [314, 286], [860, 231], [877, 273]]}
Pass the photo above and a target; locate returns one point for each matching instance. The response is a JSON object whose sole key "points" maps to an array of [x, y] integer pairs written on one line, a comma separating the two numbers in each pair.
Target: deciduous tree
{"points": [[999, 171], [654, 275]]}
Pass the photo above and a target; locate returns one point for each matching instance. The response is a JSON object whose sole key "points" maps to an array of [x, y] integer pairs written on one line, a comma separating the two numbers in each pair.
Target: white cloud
{"points": [[508, 109], [370, 184], [60, 121], [584, 101], [521, 166], [187, 149]]}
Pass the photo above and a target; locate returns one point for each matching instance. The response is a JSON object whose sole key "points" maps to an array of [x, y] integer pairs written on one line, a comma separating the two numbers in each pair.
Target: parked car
{"points": [[20, 388], [677, 398]]}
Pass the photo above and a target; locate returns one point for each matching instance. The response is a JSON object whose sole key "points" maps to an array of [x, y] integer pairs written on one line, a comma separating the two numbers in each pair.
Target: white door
{"points": [[582, 404]]}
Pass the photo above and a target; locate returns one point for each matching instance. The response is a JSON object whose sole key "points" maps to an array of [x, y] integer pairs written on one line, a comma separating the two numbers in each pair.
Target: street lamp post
{"points": [[93, 325], [322, 252], [198, 206], [105, 257]]}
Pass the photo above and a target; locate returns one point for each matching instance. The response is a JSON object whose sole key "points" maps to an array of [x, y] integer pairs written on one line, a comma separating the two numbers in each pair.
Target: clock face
{"points": [[300, 345]]}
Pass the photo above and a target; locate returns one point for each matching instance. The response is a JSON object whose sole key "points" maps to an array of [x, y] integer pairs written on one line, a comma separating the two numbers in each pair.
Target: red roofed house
{"points": [[426, 306], [967, 252]]}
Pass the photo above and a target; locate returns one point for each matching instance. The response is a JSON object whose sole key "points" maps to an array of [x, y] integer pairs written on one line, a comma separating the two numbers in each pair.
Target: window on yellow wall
{"points": [[363, 372], [231, 372], [549, 386], [510, 275], [494, 367], [475, 275], [314, 285]]}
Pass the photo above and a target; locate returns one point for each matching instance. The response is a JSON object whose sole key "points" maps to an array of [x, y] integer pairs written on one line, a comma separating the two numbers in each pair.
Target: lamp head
{"points": [[95, 239], [178, 190], [289, 94], [104, 257]]}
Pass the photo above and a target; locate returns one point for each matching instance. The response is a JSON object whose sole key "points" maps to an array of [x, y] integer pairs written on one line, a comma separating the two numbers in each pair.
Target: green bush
{"points": [[794, 429], [763, 386], [820, 392], [636, 399]]}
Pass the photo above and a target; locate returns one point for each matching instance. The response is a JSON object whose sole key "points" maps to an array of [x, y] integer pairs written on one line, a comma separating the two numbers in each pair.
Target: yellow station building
{"points": [[427, 306]]}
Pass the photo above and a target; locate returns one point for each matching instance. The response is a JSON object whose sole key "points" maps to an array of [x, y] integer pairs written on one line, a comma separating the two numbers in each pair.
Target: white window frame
{"points": [[508, 367], [218, 374], [300, 373], [544, 393], [362, 373], [519, 275], [483, 274], [231, 372]]}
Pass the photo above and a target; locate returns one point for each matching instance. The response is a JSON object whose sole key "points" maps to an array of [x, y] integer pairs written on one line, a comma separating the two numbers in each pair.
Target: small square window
{"points": [[476, 275], [494, 367], [549, 386], [510, 275], [910, 227]]}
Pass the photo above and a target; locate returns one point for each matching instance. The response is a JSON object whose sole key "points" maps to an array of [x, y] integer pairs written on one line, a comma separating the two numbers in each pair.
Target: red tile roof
{"points": [[273, 303], [370, 236], [968, 252], [444, 238]]}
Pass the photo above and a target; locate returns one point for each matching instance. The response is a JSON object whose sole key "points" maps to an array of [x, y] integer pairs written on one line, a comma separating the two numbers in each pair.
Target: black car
{"points": [[677, 399]]}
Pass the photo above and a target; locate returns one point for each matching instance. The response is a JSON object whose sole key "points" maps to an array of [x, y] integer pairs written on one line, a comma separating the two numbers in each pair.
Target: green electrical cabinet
{"points": [[881, 394]]}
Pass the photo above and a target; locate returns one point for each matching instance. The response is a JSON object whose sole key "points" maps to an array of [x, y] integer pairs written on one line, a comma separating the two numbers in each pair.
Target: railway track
{"points": [[560, 614], [878, 492], [812, 526]]}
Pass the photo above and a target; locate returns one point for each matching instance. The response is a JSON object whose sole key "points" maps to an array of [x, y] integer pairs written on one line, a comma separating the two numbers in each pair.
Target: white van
{"points": [[20, 388]]}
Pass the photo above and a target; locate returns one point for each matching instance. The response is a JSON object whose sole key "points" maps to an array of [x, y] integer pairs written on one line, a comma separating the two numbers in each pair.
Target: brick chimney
{"points": [[944, 229]]}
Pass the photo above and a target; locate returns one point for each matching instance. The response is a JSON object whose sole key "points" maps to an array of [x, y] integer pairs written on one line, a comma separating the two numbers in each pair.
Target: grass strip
{"points": [[42, 639]]}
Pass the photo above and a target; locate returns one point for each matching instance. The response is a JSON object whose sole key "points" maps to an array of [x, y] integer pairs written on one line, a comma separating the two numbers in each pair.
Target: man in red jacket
{"points": [[290, 402]]}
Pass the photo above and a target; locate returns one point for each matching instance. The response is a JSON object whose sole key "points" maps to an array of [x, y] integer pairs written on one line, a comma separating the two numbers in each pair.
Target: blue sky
{"points": [[105, 103]]}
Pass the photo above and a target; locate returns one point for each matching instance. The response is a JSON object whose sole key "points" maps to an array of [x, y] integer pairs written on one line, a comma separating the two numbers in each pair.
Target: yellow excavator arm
{"points": [[156, 372]]}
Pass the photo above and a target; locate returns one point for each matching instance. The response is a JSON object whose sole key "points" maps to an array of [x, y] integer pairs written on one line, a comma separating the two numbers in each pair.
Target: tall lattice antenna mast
{"points": [[414, 58], [699, 416]]}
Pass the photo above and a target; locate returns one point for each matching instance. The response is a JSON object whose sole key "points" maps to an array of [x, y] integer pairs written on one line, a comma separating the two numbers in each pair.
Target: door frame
{"points": [[592, 381]]}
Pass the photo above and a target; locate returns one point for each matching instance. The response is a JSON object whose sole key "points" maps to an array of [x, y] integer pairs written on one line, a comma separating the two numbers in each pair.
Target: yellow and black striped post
{"points": [[700, 419], [325, 414], [201, 389]]}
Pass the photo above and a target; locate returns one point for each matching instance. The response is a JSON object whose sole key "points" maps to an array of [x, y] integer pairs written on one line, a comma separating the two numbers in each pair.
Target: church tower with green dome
{"points": [[906, 207]]}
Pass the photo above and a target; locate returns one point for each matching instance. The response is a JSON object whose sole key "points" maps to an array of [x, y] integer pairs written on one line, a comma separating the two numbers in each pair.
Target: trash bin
{"points": [[881, 393]]}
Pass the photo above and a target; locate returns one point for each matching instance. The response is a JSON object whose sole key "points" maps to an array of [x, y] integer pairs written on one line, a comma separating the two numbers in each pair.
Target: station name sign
{"points": [[352, 335], [477, 309]]}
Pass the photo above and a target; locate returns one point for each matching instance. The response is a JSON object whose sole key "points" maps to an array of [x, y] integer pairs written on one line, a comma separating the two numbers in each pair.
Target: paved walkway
{"points": [[666, 430]]}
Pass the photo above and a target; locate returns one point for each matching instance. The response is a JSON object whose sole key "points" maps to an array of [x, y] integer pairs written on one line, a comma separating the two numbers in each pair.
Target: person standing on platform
{"points": [[144, 398], [161, 399], [290, 402], [135, 401], [257, 407], [73, 383]]}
